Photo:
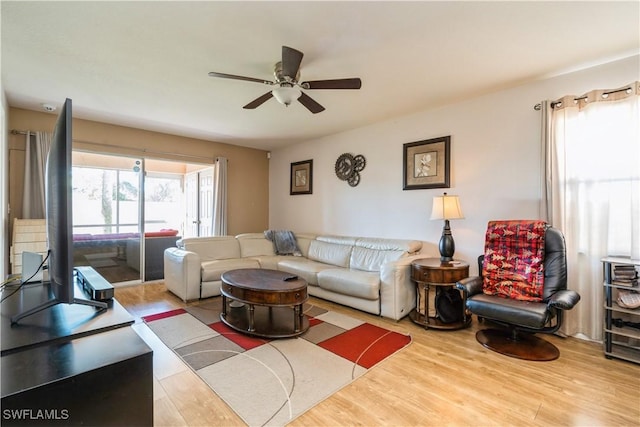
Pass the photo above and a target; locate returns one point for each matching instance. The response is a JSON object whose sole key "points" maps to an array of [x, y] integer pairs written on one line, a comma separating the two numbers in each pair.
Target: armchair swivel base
{"points": [[520, 345]]}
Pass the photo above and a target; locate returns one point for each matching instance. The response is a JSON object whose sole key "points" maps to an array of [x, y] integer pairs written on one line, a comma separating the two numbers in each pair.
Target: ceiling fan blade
{"points": [[234, 77], [354, 83], [258, 101], [291, 60], [311, 105]]}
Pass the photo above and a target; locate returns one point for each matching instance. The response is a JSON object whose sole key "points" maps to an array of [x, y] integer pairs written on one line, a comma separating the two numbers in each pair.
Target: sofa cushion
{"points": [[330, 253], [360, 284], [522, 313], [212, 270], [254, 244], [372, 259], [165, 232], [304, 240], [303, 268], [271, 261], [338, 240], [212, 248], [408, 246]]}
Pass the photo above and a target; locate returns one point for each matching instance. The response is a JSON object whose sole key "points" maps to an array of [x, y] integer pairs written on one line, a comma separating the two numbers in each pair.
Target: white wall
{"points": [[495, 167]]}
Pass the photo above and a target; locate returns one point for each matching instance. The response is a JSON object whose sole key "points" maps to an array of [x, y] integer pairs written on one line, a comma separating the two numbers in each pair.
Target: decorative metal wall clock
{"points": [[348, 168]]}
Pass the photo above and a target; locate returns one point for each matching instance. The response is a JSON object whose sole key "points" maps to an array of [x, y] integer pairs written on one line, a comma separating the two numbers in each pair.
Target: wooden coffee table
{"points": [[264, 303]]}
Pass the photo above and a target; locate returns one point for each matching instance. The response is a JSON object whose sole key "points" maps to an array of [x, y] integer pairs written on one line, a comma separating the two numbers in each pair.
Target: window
{"points": [[594, 194], [164, 202], [105, 201]]}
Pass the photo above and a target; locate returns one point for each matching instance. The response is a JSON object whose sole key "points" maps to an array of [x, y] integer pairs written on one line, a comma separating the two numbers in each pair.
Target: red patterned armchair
{"points": [[522, 286]]}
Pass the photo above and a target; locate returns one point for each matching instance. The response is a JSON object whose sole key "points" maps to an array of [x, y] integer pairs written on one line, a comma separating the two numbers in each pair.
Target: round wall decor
{"points": [[348, 168]]}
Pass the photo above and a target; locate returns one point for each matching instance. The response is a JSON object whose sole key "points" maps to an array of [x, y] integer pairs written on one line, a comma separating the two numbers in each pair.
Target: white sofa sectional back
{"points": [[370, 274], [304, 242], [331, 251], [370, 254], [254, 245], [211, 248]]}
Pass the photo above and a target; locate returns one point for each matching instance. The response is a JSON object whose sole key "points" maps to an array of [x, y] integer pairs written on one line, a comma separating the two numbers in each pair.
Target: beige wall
{"points": [[248, 193]]}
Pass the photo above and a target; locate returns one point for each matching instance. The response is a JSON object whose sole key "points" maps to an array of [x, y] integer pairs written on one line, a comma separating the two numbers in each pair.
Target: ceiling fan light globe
{"points": [[286, 95]]}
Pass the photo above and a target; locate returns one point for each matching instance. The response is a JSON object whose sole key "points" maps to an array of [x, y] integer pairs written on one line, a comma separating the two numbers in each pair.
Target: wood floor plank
{"points": [[197, 403], [442, 378], [166, 414]]}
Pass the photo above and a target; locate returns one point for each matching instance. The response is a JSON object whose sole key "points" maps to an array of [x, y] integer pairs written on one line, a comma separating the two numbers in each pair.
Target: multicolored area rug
{"points": [[271, 382]]}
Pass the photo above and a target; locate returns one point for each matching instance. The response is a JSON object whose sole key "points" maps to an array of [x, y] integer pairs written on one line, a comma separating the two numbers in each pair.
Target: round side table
{"points": [[431, 273]]}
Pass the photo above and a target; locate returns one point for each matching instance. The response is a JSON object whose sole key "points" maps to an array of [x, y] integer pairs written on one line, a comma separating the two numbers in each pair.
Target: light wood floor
{"points": [[442, 378]]}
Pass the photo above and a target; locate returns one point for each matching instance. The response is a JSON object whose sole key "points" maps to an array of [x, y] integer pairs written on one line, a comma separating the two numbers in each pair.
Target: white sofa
{"points": [[369, 274]]}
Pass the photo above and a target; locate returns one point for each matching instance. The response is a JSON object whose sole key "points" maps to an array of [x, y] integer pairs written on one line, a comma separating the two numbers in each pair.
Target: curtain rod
{"points": [[538, 106], [208, 160]]}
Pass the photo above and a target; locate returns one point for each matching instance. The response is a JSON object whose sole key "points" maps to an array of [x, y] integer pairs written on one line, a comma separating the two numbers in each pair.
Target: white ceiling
{"points": [[145, 64]]}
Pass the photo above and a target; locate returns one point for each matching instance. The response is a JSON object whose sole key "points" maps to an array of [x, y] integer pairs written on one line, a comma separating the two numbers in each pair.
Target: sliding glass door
{"points": [[106, 215], [127, 211]]}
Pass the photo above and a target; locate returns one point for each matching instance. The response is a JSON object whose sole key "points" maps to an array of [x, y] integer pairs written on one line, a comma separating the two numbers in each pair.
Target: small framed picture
{"points": [[301, 177], [426, 163]]}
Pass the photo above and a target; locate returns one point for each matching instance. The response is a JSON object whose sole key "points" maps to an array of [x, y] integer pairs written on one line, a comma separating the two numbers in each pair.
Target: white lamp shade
{"points": [[286, 95], [446, 207]]}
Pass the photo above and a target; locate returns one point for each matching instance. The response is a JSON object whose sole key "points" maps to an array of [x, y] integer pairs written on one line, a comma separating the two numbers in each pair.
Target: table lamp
{"points": [[446, 207]]}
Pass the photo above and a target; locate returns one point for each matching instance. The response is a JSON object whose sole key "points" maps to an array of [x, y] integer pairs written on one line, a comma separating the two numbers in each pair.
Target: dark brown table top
{"points": [[436, 263], [263, 280]]}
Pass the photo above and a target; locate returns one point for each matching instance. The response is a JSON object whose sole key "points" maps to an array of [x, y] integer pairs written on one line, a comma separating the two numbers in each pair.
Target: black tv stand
{"points": [[77, 365]]}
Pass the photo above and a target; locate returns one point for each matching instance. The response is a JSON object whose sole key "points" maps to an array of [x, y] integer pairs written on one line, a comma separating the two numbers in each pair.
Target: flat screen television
{"points": [[58, 201]]}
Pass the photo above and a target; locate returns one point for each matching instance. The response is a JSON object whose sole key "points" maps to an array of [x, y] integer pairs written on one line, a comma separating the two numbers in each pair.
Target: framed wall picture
{"points": [[301, 177], [426, 163]]}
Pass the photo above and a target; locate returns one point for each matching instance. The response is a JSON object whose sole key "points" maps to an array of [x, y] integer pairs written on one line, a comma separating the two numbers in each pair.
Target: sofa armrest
{"points": [[397, 290], [564, 299], [470, 285], [182, 273]]}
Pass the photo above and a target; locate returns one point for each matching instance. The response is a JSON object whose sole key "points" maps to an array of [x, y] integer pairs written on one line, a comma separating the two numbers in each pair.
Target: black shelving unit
{"points": [[621, 340]]}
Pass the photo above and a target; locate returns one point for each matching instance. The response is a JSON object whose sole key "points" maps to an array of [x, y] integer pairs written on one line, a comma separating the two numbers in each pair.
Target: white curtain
{"points": [[37, 146], [220, 197], [592, 190]]}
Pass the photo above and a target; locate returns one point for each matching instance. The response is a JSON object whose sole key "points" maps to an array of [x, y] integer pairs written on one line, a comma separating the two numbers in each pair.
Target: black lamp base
{"points": [[447, 246]]}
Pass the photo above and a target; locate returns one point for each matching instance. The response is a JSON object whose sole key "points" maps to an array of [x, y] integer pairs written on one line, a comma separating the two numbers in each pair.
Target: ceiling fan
{"points": [[288, 87]]}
